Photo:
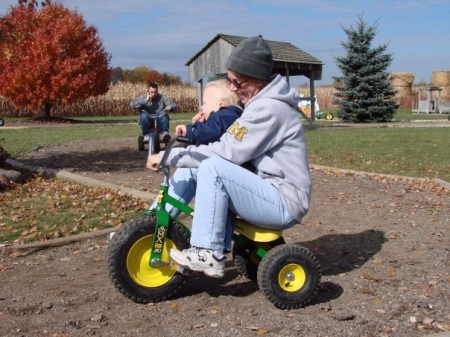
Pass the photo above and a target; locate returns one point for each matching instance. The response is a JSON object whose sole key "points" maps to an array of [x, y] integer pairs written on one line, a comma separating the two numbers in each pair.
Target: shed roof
{"points": [[287, 58]]}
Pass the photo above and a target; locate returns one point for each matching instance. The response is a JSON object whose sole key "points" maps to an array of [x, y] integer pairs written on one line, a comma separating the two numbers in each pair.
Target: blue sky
{"points": [[165, 34]]}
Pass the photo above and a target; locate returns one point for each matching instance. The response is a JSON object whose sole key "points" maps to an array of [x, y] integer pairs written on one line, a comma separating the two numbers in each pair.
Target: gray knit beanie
{"points": [[253, 58]]}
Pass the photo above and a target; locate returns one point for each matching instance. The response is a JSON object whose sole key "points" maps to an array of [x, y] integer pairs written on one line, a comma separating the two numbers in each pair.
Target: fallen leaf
{"points": [[386, 330], [253, 328], [370, 277], [444, 327], [428, 321]]}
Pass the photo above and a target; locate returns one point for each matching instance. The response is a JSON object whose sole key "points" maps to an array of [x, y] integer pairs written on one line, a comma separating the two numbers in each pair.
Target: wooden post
{"points": [[200, 94], [312, 95], [287, 73]]}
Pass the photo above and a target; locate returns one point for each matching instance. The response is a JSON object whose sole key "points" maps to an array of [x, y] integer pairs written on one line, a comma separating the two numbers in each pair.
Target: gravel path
{"points": [[383, 244]]}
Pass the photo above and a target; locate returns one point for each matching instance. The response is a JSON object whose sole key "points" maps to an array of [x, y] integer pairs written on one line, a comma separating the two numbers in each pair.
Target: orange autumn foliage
{"points": [[48, 57]]}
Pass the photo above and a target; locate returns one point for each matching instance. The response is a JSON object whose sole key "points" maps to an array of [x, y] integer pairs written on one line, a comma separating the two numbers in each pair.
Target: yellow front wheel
{"points": [[329, 116], [128, 259], [289, 276], [138, 266]]}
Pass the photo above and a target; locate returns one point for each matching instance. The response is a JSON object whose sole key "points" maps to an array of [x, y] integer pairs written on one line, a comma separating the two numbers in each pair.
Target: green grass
{"points": [[408, 115], [415, 152], [48, 208], [418, 152], [401, 115], [21, 140]]}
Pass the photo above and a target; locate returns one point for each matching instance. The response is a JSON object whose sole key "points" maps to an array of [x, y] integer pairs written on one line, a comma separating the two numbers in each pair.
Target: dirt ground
{"points": [[383, 244]]}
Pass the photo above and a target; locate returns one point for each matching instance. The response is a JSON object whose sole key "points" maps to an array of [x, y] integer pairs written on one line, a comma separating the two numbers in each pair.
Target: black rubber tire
{"points": [[329, 116], [2, 122], [141, 145], [448, 117], [132, 239], [157, 143], [245, 259], [294, 260]]}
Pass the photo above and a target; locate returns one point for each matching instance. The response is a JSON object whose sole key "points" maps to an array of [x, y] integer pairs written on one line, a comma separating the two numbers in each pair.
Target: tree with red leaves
{"points": [[48, 57]]}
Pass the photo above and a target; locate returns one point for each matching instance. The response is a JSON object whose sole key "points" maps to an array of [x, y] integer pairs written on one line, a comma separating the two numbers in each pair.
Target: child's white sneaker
{"points": [[200, 259]]}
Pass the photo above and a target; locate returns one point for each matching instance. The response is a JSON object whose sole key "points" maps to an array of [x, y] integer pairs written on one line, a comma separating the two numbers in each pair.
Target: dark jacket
{"points": [[215, 126]]}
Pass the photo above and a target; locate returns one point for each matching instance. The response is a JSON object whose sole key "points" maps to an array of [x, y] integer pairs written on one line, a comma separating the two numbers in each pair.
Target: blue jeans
{"points": [[223, 189], [182, 186], [147, 123]]}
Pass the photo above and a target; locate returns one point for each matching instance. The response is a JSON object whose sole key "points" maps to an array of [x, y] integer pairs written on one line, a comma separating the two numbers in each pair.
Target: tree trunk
{"points": [[47, 108]]}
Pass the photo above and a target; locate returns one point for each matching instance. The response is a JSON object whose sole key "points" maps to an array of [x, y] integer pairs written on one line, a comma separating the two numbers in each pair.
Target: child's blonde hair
{"points": [[227, 96]]}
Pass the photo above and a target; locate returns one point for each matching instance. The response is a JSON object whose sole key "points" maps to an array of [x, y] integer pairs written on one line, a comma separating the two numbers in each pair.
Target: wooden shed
{"points": [[288, 60]]}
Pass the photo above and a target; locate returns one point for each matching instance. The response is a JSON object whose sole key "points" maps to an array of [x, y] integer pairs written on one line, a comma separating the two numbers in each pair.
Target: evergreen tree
{"points": [[364, 92]]}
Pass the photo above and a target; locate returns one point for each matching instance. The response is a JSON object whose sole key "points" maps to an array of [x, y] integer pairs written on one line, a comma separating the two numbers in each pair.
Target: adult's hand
{"points": [[152, 162]]}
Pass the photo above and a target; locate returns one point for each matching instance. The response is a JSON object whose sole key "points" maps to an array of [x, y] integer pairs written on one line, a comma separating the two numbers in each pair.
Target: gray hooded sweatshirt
{"points": [[269, 135]]}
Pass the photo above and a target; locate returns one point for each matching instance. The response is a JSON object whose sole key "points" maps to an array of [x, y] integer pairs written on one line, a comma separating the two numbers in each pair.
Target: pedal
{"points": [[180, 269], [157, 263]]}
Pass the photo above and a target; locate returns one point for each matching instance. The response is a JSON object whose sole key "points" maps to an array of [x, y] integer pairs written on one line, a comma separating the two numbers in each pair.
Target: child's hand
{"points": [[200, 117], [180, 130]]}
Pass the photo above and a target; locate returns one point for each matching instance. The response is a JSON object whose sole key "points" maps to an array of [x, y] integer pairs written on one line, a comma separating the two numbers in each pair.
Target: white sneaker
{"points": [[146, 138], [165, 137], [200, 259]]}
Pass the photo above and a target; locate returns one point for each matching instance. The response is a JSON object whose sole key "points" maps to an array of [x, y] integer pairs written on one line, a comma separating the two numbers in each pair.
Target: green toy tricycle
{"points": [[325, 115], [140, 268]]}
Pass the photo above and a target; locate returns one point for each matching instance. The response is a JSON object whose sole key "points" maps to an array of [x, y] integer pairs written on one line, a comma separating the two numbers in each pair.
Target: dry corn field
{"points": [[116, 101]]}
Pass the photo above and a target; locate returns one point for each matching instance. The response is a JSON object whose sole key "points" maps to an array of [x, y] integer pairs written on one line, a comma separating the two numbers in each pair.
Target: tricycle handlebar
{"points": [[169, 148]]}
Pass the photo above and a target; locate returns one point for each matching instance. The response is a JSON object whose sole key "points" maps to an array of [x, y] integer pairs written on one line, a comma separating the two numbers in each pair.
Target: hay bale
{"points": [[445, 94], [402, 80], [403, 91], [337, 84], [440, 78]]}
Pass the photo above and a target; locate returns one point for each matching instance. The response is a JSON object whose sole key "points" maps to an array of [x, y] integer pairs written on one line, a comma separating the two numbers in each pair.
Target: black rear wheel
{"points": [[2, 122], [141, 145], [245, 258], [128, 260]]}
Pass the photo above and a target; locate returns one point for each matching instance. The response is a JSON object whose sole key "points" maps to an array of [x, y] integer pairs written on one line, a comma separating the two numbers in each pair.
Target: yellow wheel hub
{"points": [[138, 263], [292, 277]]}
